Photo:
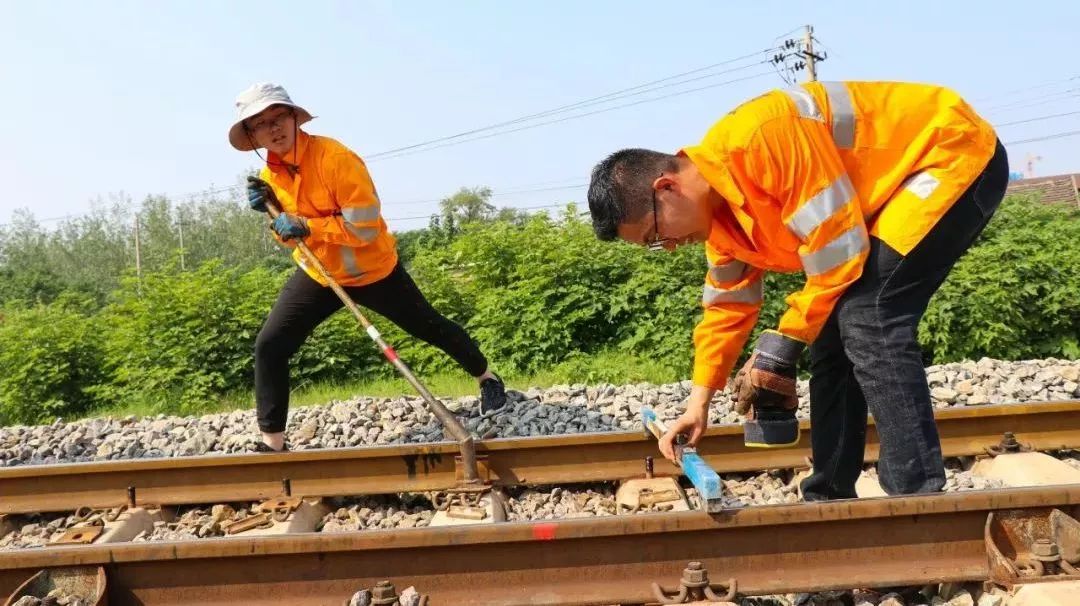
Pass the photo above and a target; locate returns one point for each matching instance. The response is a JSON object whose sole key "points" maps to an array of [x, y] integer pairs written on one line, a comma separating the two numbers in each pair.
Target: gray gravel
{"points": [[1072, 457], [958, 479], [561, 409], [573, 501], [946, 594], [774, 487], [36, 530], [56, 597], [560, 502], [598, 499], [378, 512], [198, 522]]}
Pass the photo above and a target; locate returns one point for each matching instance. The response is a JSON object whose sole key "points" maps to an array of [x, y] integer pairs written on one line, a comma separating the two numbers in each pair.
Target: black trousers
{"points": [[867, 356], [303, 304]]}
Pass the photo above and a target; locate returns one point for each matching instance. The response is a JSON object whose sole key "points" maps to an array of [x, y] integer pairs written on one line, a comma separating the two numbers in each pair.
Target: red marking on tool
{"points": [[390, 354], [544, 532]]}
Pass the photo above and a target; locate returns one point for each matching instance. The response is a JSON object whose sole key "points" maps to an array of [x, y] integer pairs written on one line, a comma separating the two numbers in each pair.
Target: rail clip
{"points": [[695, 587], [384, 594], [1024, 547]]}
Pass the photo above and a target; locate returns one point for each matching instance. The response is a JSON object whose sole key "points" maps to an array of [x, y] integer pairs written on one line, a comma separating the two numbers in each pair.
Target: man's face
{"points": [[674, 219], [273, 128]]}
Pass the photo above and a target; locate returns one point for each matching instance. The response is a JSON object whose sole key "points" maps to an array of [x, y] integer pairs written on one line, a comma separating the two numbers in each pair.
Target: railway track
{"points": [[981, 535]]}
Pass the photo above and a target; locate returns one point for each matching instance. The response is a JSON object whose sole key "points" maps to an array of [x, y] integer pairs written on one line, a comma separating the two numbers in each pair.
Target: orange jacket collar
{"points": [[276, 163], [732, 195]]}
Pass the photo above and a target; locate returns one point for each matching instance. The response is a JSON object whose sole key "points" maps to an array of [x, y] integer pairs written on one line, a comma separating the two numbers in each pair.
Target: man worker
{"points": [[874, 190]]}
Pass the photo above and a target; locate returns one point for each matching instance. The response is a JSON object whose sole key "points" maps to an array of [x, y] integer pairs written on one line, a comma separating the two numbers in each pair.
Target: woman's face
{"points": [[274, 128]]}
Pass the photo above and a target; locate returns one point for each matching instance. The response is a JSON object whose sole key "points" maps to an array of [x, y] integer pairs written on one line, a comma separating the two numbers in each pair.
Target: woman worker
{"points": [[327, 200]]}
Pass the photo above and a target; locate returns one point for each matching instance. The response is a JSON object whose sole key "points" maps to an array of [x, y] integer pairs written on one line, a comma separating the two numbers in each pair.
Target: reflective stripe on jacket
{"points": [[334, 192], [807, 174]]}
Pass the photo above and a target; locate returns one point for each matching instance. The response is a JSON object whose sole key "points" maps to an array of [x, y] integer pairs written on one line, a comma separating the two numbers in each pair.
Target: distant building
{"points": [[1053, 189]]}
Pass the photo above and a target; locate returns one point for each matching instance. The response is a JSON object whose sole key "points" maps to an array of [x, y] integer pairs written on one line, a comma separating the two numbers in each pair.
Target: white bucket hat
{"points": [[254, 100]]}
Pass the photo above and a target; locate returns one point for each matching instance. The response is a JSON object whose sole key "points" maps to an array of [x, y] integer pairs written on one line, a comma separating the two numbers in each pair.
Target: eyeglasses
{"points": [[657, 242], [266, 122]]}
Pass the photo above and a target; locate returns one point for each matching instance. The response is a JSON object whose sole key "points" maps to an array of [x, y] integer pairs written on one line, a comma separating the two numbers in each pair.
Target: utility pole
{"points": [[808, 52], [180, 226], [803, 55], [138, 258]]}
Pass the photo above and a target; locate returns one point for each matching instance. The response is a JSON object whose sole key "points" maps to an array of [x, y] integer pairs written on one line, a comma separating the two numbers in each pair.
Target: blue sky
{"points": [[134, 98]]}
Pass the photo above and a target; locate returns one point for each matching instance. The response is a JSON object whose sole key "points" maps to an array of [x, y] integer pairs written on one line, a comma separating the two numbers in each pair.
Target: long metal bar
{"points": [[542, 460], [773, 549], [449, 422]]}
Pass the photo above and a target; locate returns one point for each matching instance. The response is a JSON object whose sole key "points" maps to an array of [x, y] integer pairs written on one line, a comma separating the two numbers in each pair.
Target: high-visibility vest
{"points": [[333, 191], [807, 174]]}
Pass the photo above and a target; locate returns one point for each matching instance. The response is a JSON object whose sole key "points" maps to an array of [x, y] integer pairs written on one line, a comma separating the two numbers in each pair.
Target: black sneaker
{"points": [[262, 447], [492, 395]]}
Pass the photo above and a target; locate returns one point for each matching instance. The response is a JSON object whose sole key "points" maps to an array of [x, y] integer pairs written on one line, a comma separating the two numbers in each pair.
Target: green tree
{"points": [[468, 205], [26, 273]]}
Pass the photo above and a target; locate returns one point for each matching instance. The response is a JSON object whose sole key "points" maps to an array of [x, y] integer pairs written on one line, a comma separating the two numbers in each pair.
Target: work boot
{"points": [[492, 395], [262, 447]]}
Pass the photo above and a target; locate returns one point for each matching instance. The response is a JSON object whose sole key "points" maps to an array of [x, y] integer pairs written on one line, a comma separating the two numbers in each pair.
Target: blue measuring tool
{"points": [[703, 477]]}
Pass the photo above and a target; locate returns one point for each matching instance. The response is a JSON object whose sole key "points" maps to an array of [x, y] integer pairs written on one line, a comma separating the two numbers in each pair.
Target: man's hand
{"points": [[764, 390], [288, 226], [756, 387], [691, 424], [259, 193]]}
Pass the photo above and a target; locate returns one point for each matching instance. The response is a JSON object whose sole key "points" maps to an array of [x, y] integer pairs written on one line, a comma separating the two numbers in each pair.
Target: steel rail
{"points": [[506, 462], [889, 541]]}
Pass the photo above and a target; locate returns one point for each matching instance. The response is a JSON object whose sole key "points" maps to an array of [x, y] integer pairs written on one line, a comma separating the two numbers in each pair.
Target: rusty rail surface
{"points": [[505, 462], [770, 549]]}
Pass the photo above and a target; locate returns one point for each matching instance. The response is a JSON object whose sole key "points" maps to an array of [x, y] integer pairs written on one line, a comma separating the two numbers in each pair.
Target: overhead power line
{"points": [[643, 88], [1024, 89], [1037, 119], [498, 192], [1036, 100], [1071, 133], [571, 117], [583, 103]]}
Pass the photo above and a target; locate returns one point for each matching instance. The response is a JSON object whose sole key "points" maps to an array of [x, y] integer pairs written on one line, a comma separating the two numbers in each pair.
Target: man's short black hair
{"points": [[621, 188]]}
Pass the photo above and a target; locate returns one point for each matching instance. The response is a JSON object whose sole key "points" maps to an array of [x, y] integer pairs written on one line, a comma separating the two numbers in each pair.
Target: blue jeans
{"points": [[867, 356]]}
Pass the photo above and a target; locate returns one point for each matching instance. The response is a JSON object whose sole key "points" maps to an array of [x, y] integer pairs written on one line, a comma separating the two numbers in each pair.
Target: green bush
{"points": [[548, 291], [50, 360], [540, 295], [1014, 295], [180, 338]]}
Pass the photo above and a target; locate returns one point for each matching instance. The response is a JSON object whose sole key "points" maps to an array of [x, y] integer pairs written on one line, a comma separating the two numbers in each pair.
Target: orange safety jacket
{"points": [[334, 192], [806, 174]]}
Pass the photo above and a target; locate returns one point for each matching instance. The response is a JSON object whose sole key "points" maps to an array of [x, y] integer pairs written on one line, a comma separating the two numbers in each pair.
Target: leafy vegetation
{"points": [[545, 299]]}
